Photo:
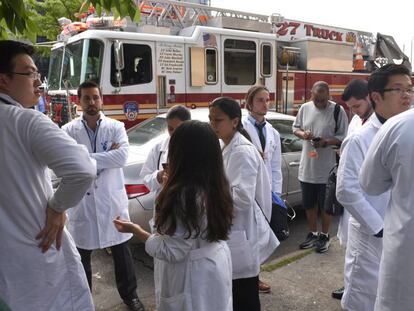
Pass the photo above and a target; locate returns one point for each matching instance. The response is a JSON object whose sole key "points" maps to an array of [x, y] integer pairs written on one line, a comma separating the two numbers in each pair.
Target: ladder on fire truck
{"points": [[184, 14]]}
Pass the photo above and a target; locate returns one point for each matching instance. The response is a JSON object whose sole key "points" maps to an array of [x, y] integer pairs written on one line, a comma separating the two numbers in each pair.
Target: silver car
{"points": [[145, 135]]}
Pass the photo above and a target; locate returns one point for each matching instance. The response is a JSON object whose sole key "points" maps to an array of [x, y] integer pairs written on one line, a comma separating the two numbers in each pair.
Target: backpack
{"points": [[331, 204]]}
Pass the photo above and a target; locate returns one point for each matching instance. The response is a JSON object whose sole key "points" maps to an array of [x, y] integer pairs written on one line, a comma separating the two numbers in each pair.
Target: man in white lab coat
{"points": [[357, 99], [152, 172], [364, 246], [90, 222], [266, 140], [389, 166], [40, 268]]}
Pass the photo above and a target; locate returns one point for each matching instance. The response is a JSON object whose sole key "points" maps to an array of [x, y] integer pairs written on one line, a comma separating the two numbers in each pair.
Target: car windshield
{"points": [[289, 141], [146, 131]]}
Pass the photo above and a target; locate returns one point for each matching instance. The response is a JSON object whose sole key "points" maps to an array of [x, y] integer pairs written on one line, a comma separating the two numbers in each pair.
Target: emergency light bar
{"points": [[106, 22]]}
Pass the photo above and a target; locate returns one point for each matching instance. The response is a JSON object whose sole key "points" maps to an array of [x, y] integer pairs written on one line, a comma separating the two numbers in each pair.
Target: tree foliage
{"points": [[29, 18]]}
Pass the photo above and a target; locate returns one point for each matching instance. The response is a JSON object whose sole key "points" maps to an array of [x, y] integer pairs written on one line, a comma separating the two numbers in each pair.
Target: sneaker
{"points": [[322, 244], [338, 293], [309, 242]]}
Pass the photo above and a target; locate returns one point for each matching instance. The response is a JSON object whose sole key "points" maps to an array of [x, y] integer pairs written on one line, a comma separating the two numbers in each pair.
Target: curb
{"points": [[288, 259]]}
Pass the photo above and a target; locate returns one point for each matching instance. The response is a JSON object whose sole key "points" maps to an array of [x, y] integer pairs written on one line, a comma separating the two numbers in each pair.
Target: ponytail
{"points": [[240, 128]]}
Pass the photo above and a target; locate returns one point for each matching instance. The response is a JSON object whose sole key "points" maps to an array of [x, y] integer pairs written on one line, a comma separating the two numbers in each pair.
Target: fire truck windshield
{"points": [[75, 62]]}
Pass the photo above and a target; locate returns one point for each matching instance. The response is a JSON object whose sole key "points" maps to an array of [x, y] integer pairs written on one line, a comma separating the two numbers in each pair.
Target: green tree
{"points": [[29, 18]]}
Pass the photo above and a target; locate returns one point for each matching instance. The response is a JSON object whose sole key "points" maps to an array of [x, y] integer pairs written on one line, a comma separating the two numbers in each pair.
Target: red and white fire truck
{"points": [[184, 53]]}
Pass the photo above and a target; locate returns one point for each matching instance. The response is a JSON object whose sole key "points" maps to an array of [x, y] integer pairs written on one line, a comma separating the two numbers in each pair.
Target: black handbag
{"points": [[281, 211], [278, 222], [331, 204]]}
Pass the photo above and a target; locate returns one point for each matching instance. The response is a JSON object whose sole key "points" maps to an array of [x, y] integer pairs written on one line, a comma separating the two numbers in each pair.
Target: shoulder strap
{"points": [[267, 220], [336, 115], [159, 160]]}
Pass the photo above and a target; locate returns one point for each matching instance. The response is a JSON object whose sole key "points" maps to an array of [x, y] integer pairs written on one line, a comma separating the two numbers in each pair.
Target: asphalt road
{"points": [[106, 297]]}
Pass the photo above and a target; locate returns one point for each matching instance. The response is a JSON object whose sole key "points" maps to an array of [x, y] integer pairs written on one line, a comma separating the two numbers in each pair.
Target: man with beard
{"points": [[316, 124], [90, 223]]}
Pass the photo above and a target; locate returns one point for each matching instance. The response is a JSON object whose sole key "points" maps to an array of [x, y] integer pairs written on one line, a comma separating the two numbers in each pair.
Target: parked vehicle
{"points": [[145, 135]]}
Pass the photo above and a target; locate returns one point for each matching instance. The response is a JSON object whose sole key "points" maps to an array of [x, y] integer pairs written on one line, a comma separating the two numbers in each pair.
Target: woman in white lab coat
{"points": [[251, 192], [194, 214]]}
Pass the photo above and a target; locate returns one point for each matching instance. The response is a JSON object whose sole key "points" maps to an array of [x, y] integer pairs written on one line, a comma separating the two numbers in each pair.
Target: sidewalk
{"points": [[305, 284]]}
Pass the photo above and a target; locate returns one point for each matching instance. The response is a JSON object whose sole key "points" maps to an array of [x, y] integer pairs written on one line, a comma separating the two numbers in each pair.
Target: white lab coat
{"points": [[29, 279], [150, 169], [190, 274], [363, 253], [153, 164], [251, 240], [272, 155], [342, 233], [389, 165], [90, 222]]}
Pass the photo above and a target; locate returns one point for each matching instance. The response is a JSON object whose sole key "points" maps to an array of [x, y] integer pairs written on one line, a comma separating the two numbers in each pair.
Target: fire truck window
{"points": [[289, 141], [72, 64], [94, 61], [54, 68], [138, 65], [239, 62], [266, 60], [211, 66]]}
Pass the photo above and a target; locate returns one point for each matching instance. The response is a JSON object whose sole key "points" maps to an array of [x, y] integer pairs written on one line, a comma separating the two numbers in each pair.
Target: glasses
{"points": [[401, 92], [33, 75]]}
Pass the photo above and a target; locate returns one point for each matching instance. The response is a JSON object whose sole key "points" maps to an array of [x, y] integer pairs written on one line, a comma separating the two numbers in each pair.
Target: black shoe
{"points": [[134, 304], [322, 244], [309, 242], [338, 293]]}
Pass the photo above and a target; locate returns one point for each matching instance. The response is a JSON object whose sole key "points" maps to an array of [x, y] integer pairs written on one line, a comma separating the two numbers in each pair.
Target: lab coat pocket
{"points": [[181, 302], [241, 253]]}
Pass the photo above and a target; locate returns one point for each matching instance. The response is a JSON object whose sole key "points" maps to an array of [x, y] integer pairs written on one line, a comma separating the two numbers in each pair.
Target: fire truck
{"points": [[186, 53]]}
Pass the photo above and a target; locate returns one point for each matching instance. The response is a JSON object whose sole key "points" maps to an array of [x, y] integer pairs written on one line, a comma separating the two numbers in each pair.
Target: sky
{"points": [[364, 15]]}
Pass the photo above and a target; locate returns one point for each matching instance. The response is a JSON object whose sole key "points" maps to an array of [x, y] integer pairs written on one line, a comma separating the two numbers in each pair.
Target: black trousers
{"points": [[123, 266], [246, 294]]}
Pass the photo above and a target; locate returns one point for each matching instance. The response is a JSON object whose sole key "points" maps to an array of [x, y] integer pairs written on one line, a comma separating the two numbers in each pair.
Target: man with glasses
{"points": [[390, 91], [90, 222], [40, 268], [389, 167]]}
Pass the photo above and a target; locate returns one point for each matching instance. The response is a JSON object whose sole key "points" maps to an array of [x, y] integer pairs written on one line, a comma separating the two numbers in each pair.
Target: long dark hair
{"points": [[196, 191], [232, 109]]}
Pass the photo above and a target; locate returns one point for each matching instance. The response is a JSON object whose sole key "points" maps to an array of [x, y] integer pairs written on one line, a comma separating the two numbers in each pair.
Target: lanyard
{"points": [[92, 135]]}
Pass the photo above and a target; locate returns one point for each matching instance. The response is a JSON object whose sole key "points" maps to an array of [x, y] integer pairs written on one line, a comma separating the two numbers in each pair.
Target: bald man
{"points": [[315, 123]]}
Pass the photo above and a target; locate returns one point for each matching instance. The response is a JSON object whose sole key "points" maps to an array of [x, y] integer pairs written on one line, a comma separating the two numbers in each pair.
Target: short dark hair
{"points": [[196, 188], [356, 88], [322, 84], [88, 85], [9, 49], [179, 112], [380, 78]]}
